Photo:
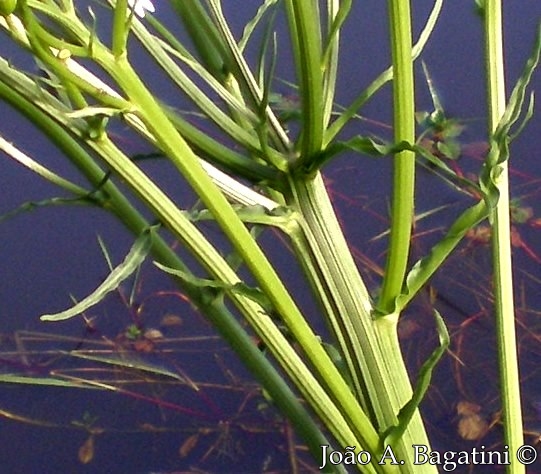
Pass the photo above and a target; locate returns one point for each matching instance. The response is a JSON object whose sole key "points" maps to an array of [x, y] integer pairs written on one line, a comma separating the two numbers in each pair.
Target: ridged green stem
{"points": [[501, 245], [371, 347]]}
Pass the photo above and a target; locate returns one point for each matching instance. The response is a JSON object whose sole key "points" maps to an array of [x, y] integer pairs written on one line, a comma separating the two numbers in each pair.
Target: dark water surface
{"points": [[185, 404]]}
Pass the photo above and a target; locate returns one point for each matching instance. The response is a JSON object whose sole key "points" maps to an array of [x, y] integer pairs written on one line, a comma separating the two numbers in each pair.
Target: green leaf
{"points": [[135, 257], [501, 138], [450, 149], [359, 144], [254, 22], [423, 382], [252, 293], [46, 173], [50, 381], [128, 363], [378, 148], [95, 112], [438, 114], [54, 201], [425, 268]]}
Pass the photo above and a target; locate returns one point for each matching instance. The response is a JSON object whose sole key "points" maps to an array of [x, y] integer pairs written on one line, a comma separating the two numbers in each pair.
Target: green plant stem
{"points": [[371, 348], [501, 245], [344, 118], [404, 161], [213, 309], [351, 428], [120, 28], [181, 155], [205, 36], [304, 21]]}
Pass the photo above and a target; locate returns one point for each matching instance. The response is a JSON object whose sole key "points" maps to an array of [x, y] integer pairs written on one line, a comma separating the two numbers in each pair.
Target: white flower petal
{"points": [[141, 7]]}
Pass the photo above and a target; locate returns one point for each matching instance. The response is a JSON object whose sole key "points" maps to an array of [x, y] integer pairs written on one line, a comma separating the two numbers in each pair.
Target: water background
{"points": [[51, 253]]}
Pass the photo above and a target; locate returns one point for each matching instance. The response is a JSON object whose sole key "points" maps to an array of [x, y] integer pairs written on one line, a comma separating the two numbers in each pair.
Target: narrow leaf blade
{"points": [[135, 257]]}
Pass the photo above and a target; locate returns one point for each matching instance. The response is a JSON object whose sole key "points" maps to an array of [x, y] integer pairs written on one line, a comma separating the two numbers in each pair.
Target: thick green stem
{"points": [[371, 348]]}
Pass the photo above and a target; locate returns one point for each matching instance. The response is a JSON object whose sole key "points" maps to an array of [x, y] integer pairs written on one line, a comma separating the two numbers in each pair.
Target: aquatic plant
{"points": [[266, 172]]}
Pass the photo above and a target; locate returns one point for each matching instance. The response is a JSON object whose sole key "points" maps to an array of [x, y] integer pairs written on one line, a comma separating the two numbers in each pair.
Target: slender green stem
{"points": [[204, 35], [342, 427], [120, 28], [305, 30], [404, 161], [337, 11], [501, 244], [187, 162], [242, 83], [344, 118], [214, 309]]}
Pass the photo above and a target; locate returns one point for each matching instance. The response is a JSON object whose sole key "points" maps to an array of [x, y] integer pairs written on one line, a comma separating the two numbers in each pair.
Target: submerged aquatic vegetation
{"points": [[248, 172]]}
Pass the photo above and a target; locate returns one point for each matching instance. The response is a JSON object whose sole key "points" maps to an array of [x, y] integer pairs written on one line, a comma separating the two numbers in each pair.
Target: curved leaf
{"points": [[135, 257]]}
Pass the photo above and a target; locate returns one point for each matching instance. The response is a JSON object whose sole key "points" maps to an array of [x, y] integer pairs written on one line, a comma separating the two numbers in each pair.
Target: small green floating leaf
{"points": [[520, 214], [135, 257]]}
